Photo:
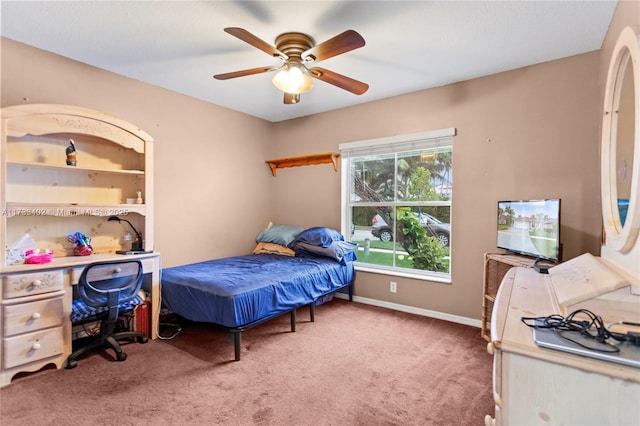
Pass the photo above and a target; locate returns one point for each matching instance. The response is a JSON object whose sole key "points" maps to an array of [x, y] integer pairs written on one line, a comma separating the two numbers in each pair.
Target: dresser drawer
{"points": [[18, 285], [31, 347], [32, 316]]}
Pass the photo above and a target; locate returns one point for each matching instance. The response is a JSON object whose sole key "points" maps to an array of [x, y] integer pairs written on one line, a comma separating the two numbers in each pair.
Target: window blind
{"points": [[412, 142]]}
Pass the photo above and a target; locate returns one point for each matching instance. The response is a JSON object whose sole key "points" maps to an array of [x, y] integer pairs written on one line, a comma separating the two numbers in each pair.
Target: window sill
{"points": [[438, 278]]}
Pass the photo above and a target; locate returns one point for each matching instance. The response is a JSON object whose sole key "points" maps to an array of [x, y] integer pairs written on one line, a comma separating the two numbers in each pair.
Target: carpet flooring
{"points": [[355, 365]]}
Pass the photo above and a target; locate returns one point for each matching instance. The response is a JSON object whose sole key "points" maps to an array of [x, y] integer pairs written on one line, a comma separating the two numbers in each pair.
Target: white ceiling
{"points": [[410, 46]]}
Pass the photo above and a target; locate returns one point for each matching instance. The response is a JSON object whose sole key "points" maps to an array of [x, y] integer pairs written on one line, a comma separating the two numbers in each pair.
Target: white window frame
{"points": [[381, 146]]}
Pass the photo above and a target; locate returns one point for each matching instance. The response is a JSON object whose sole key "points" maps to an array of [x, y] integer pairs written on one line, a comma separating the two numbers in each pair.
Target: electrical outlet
{"points": [[393, 287]]}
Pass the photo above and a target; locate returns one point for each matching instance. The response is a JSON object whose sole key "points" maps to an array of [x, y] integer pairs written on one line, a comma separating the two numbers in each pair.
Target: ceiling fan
{"points": [[297, 50]]}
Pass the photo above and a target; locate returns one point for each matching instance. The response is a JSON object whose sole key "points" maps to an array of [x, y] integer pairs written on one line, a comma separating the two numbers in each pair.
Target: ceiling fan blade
{"points": [[344, 42], [247, 37], [242, 73], [291, 98], [339, 80]]}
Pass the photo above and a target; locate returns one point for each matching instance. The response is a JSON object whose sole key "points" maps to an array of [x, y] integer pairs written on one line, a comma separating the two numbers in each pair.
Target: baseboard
{"points": [[412, 310]]}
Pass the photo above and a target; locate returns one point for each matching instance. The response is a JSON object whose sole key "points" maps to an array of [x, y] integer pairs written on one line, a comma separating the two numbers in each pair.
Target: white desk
{"points": [[35, 323], [533, 385]]}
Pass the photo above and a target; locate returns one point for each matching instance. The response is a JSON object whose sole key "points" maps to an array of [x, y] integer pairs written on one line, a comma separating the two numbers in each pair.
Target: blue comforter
{"points": [[238, 291]]}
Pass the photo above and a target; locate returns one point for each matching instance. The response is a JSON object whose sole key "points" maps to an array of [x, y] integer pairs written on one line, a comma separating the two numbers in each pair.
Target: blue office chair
{"points": [[106, 290]]}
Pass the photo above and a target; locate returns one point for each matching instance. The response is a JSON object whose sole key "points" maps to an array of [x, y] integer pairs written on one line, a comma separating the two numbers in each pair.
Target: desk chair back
{"points": [[110, 285], [106, 290]]}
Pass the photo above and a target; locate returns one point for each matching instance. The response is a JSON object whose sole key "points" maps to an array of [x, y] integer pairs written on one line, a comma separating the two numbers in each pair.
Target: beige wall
{"points": [[529, 133], [211, 184]]}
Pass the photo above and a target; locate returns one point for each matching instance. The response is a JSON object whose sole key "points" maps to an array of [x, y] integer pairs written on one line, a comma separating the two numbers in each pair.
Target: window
{"points": [[396, 203]]}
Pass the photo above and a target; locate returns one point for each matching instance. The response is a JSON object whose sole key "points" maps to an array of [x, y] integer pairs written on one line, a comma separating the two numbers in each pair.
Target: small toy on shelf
{"points": [[81, 242]]}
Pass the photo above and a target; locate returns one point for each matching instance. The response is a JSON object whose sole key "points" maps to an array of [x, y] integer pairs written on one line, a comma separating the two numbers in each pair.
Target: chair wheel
{"points": [[121, 356], [142, 339]]}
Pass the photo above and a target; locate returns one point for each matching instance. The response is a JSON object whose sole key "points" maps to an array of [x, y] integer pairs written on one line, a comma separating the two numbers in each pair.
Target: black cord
{"points": [[608, 348], [592, 328]]}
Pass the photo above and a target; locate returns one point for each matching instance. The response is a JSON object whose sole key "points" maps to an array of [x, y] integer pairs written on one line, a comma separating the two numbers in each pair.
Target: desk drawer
{"points": [[18, 285], [31, 347], [147, 267], [32, 316]]}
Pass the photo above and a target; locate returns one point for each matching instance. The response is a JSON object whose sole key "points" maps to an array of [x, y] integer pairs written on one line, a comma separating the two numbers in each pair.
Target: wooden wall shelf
{"points": [[304, 160]]}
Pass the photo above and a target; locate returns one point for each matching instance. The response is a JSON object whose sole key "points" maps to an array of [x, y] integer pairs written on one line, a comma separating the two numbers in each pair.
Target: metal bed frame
{"points": [[237, 331]]}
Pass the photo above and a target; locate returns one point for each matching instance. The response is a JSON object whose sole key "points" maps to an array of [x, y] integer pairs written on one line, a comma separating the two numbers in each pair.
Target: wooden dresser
{"points": [[533, 385]]}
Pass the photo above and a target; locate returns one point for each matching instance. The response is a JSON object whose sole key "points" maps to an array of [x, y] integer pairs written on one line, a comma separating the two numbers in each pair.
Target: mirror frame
{"points": [[618, 237]]}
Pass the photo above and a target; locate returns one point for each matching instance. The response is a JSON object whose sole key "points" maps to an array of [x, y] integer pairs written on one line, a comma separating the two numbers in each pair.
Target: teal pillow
{"points": [[279, 234]]}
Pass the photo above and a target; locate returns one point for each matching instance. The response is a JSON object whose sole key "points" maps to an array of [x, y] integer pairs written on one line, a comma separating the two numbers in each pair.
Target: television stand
{"points": [[496, 265]]}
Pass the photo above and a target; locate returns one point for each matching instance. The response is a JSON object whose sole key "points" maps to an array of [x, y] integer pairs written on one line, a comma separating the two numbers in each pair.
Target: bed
{"points": [[287, 271]]}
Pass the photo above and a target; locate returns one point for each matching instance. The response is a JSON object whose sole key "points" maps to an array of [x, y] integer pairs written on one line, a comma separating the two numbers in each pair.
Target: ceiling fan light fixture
{"points": [[295, 50], [293, 78]]}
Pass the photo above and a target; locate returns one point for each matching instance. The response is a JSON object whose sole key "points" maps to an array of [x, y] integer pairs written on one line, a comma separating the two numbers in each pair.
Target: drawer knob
{"points": [[494, 346], [118, 270], [36, 346], [35, 315], [36, 283], [490, 348]]}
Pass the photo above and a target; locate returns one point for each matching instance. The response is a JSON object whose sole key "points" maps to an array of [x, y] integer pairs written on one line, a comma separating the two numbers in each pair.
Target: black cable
{"points": [[609, 347], [593, 328]]}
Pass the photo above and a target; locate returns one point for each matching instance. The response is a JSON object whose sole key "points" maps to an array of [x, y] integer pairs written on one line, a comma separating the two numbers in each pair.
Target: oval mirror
{"points": [[625, 141], [621, 145]]}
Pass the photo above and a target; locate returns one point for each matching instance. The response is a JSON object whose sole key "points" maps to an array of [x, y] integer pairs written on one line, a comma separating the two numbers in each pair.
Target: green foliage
{"points": [[426, 252], [420, 186], [509, 214], [361, 216]]}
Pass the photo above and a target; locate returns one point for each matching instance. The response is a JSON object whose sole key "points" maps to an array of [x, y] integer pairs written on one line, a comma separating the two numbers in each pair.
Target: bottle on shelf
{"points": [[71, 153]]}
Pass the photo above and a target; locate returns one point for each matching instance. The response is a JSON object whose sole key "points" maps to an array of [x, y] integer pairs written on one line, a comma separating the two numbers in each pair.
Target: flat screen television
{"points": [[530, 228]]}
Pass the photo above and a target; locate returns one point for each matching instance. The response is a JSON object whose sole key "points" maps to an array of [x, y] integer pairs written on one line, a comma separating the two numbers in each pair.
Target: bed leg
{"points": [[237, 337], [312, 311], [293, 320], [351, 292]]}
